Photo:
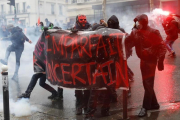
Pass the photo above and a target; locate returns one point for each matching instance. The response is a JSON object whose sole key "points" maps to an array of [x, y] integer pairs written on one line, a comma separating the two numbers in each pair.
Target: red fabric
{"points": [[39, 21]]}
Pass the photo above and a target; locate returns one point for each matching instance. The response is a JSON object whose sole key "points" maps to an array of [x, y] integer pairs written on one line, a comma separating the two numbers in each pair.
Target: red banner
{"points": [[83, 60]]}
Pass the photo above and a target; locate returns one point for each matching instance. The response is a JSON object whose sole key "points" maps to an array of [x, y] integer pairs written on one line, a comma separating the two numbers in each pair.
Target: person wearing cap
{"points": [[17, 38], [151, 50]]}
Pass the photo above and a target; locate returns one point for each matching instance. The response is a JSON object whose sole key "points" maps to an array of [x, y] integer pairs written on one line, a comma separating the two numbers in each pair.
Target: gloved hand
{"points": [[74, 30], [160, 65]]}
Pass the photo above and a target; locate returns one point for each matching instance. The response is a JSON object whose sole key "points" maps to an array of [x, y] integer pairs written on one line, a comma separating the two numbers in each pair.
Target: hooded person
{"points": [[103, 95], [47, 22], [151, 51], [82, 23], [171, 28], [18, 39], [113, 23]]}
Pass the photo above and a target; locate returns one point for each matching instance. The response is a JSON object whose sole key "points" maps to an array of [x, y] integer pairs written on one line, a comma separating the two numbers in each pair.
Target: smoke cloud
{"points": [[18, 107]]}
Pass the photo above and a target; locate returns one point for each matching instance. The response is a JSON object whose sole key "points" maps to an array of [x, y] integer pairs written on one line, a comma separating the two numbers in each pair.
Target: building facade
{"points": [[65, 11], [28, 11]]}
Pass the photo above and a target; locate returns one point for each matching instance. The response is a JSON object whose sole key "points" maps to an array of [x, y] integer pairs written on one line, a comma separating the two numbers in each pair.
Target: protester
{"points": [[41, 74], [113, 23], [81, 23], [17, 38], [34, 79], [151, 50], [106, 96], [102, 22], [47, 22], [82, 96], [171, 28]]}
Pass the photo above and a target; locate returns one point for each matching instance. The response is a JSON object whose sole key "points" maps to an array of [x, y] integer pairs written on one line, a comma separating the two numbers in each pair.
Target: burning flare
{"points": [[160, 12]]}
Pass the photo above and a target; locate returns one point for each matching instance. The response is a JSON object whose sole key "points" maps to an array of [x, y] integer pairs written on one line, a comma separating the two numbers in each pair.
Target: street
{"points": [[167, 88]]}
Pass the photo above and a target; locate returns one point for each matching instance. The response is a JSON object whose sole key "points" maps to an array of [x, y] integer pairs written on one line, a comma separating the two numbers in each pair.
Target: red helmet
{"points": [[81, 19]]}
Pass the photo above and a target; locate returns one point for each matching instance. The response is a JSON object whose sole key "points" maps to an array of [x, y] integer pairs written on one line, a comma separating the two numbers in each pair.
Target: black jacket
{"points": [[17, 38], [171, 28], [81, 28], [113, 23], [97, 27], [148, 42]]}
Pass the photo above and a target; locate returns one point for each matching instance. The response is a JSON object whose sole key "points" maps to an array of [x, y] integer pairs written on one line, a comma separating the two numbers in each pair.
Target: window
{"points": [[17, 8], [74, 1], [24, 6], [52, 9], [10, 9], [2, 8], [60, 10]]}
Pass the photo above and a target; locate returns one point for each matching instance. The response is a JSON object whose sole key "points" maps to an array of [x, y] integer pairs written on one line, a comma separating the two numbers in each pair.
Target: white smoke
{"points": [[20, 107], [127, 16]]}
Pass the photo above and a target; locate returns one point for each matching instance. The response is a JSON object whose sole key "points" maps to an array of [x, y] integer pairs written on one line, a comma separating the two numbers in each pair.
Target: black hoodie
{"points": [[113, 23], [17, 37], [148, 42]]}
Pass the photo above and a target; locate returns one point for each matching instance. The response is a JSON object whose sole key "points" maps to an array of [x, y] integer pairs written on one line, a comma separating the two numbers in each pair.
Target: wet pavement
{"points": [[167, 88]]}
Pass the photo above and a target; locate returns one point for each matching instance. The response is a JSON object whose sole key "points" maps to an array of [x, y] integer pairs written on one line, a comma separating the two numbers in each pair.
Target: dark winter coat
{"points": [[113, 23], [17, 38], [148, 42], [97, 27], [171, 29], [81, 28]]}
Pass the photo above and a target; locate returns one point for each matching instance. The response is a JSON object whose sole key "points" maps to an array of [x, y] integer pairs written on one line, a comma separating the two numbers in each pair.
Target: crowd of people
{"points": [[149, 46]]}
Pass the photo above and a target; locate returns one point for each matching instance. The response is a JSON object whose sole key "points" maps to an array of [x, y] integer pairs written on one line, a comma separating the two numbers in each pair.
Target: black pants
{"points": [[42, 83], [18, 52], [106, 101], [82, 98], [148, 74]]}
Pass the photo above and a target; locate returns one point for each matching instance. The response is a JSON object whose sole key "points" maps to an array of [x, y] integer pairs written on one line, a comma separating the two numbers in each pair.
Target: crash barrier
{"points": [[84, 59], [5, 86]]}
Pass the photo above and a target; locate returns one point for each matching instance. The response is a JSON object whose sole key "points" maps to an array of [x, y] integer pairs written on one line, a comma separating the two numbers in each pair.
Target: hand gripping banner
{"points": [[83, 60]]}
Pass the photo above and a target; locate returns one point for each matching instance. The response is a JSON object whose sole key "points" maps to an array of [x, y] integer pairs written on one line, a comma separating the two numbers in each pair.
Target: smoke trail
{"points": [[21, 107]]}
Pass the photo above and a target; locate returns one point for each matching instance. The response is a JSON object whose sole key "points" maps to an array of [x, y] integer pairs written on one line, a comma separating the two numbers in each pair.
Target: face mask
{"points": [[111, 24], [138, 25], [82, 20]]}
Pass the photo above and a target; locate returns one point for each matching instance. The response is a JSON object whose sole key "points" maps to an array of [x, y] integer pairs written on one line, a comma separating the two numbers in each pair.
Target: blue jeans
{"points": [[169, 44], [18, 52]]}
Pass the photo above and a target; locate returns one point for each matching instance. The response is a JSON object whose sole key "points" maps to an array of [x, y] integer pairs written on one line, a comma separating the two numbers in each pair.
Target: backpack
{"points": [[177, 19]]}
